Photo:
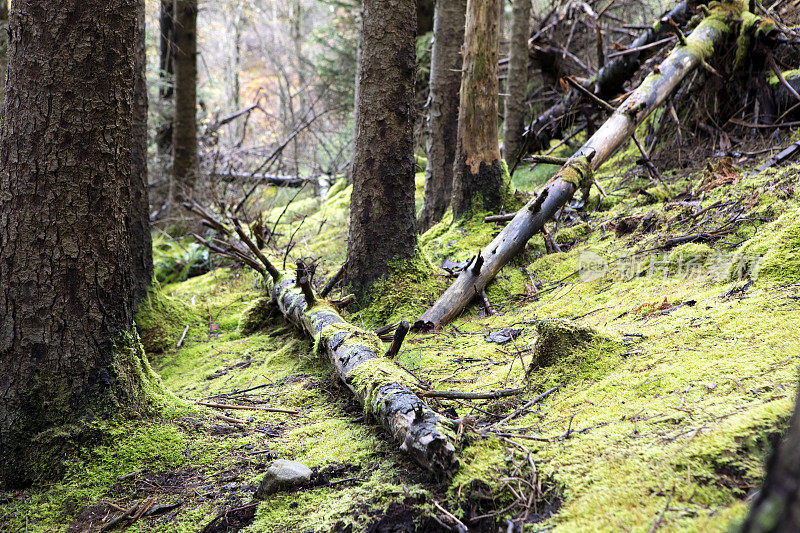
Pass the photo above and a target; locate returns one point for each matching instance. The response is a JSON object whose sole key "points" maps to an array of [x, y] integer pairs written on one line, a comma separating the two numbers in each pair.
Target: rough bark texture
{"points": [[577, 172], [184, 139], [383, 388], [477, 179], [3, 52], [67, 351], [382, 217], [607, 84], [166, 73], [777, 506], [514, 120], [138, 221], [448, 36]]}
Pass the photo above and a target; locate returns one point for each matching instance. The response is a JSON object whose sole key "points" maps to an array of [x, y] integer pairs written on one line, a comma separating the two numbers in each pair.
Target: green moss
{"points": [[260, 314], [161, 320], [407, 291], [773, 253], [773, 79]]}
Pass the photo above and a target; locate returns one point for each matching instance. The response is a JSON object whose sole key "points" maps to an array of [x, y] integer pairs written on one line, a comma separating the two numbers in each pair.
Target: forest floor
{"points": [[661, 422]]}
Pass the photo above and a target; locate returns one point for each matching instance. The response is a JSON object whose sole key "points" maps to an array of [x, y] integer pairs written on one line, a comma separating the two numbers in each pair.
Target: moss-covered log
{"points": [[577, 172], [382, 387]]}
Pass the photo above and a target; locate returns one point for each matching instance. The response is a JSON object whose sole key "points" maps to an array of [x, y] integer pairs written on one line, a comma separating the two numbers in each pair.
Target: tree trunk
{"points": [[577, 173], [166, 73], [776, 509], [448, 36], [138, 221], [68, 351], [184, 139], [3, 51], [382, 217], [477, 175], [514, 120], [357, 82]]}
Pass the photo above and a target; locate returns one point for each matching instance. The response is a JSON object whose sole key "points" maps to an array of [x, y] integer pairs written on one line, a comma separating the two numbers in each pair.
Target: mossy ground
{"points": [[665, 418]]}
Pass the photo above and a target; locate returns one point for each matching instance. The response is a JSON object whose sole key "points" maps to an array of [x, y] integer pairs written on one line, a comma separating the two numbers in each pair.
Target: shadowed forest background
{"points": [[395, 265]]}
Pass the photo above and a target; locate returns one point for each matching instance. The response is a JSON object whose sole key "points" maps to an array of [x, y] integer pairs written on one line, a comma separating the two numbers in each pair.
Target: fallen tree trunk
{"points": [[264, 179], [577, 172], [606, 84], [359, 359]]}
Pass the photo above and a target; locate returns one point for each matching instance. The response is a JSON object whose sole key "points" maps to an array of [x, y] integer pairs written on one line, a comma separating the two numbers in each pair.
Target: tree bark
{"points": [[776, 509], [477, 179], [382, 387], [577, 172], [514, 120], [357, 85], [448, 36], [166, 74], [68, 350], [185, 167], [138, 221], [3, 52], [382, 217]]}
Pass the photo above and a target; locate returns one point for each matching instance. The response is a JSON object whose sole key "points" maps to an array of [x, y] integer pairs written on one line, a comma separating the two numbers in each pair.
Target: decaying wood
{"points": [[606, 84], [577, 173], [262, 179], [379, 384]]}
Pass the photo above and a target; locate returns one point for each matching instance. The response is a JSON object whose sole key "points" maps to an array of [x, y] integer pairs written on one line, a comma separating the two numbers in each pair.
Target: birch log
{"points": [[381, 386], [577, 172]]}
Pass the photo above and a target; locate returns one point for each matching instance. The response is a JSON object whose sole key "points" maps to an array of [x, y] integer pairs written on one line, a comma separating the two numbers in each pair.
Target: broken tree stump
{"points": [[577, 173]]}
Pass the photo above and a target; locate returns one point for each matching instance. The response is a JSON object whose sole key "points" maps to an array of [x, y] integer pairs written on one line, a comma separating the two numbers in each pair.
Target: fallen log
{"points": [[606, 84], [263, 179], [577, 173], [383, 388]]}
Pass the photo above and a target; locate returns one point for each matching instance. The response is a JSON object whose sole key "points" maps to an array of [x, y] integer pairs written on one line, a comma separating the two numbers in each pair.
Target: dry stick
{"points": [[253, 248], [487, 304], [527, 406], [120, 518], [778, 73], [332, 283], [598, 149], [183, 336], [641, 48], [765, 126], [649, 163], [249, 408], [458, 395], [230, 420], [589, 94], [397, 340]]}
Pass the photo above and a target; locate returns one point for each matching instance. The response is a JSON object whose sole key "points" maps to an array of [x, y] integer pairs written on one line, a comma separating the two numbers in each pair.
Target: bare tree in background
{"points": [[442, 120], [517, 81], [478, 180]]}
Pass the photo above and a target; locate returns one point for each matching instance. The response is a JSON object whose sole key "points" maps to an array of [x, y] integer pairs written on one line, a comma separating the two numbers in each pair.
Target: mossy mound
{"points": [[774, 253], [259, 315], [161, 320], [559, 339]]}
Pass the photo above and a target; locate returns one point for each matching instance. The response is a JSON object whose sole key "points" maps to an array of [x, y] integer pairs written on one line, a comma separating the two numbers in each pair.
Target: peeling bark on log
{"points": [[382, 387], [607, 84], [577, 172]]}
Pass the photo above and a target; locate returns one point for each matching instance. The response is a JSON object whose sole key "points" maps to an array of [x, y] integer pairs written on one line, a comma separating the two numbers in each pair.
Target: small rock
{"points": [[281, 476], [503, 335]]}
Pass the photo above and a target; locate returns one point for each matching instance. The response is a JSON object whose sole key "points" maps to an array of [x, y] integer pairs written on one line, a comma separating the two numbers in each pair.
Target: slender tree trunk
{"points": [[357, 81], [184, 139], [477, 180], [777, 506], [448, 36], [514, 120], [166, 73], [382, 218], [68, 350], [139, 218]]}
